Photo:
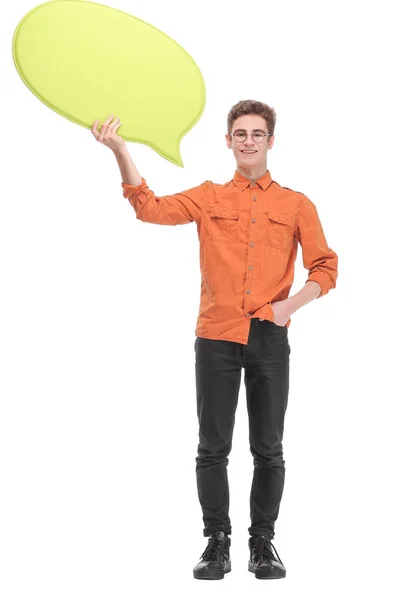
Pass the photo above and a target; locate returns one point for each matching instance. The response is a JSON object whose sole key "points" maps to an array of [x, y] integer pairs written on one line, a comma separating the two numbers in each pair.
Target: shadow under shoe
{"points": [[215, 560], [263, 563]]}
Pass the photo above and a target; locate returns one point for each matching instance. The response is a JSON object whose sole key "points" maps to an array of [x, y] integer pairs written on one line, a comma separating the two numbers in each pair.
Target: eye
{"points": [[258, 137], [240, 137]]}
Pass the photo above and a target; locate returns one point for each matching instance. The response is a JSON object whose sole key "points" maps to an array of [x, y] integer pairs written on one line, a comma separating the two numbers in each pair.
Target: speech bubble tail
{"points": [[171, 154], [175, 155], [179, 161]]}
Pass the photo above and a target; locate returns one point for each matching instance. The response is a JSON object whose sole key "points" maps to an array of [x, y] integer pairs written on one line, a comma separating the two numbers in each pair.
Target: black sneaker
{"points": [[263, 563], [215, 561]]}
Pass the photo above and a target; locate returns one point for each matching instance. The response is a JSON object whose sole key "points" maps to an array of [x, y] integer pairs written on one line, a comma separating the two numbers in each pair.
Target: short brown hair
{"points": [[252, 107]]}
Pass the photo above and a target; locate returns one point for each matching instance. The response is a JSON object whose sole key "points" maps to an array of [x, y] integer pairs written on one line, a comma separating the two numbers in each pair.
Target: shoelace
{"points": [[262, 548], [214, 549]]}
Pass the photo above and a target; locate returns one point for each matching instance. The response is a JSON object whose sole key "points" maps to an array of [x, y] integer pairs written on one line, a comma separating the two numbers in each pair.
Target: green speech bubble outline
{"points": [[32, 63]]}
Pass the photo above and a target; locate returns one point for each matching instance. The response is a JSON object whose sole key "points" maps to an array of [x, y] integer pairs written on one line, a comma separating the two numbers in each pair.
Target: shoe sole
{"points": [[262, 574], [211, 574]]}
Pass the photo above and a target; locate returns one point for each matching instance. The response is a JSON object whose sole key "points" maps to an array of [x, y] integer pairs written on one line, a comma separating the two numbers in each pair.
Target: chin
{"points": [[249, 162]]}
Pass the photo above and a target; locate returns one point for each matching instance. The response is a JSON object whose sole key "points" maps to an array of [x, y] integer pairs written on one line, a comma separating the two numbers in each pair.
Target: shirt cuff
{"points": [[324, 281], [129, 190]]}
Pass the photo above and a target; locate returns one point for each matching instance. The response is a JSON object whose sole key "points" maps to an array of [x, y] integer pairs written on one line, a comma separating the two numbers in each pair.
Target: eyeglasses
{"points": [[258, 137]]}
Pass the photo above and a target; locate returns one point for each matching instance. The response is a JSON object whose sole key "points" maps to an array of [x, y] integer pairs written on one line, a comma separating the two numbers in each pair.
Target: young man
{"points": [[249, 230]]}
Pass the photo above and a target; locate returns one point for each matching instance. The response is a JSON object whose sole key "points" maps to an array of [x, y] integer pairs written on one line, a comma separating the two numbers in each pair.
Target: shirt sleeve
{"points": [[318, 258], [176, 209]]}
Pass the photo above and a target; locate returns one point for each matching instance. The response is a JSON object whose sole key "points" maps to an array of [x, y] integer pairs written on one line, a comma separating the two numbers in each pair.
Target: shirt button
{"points": [[248, 314], [247, 291], [253, 184], [253, 220], [250, 268], [251, 244], [254, 198]]}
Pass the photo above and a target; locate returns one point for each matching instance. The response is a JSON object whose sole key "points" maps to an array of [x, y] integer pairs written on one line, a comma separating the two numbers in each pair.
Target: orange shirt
{"points": [[249, 234]]}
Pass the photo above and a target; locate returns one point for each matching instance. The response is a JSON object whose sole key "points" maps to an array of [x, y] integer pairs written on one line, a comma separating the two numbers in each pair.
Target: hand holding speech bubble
{"points": [[86, 61]]}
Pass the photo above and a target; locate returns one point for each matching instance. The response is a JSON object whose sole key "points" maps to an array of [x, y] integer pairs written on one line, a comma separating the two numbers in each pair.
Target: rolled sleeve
{"points": [[320, 260], [135, 191]]}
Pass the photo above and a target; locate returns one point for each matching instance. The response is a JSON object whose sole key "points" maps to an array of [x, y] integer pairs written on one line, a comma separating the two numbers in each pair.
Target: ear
{"points": [[228, 140], [271, 142]]}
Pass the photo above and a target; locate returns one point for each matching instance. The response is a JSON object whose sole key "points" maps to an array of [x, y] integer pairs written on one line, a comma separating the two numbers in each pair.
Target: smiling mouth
{"points": [[248, 151]]}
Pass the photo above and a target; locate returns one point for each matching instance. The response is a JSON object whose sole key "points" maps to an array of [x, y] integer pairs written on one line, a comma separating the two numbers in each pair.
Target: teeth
{"points": [[249, 151]]}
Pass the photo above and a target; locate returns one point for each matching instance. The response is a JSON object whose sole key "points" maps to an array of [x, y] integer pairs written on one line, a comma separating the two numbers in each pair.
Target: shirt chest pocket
{"points": [[279, 230], [223, 223]]}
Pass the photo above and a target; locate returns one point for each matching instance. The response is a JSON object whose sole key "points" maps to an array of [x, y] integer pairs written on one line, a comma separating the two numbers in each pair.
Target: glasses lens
{"points": [[241, 137]]}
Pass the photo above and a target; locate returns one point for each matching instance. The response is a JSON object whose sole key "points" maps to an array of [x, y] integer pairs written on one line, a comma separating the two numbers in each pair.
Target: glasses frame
{"points": [[252, 136]]}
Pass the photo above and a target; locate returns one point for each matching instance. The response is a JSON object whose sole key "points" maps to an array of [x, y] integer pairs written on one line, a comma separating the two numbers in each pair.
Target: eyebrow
{"points": [[254, 130]]}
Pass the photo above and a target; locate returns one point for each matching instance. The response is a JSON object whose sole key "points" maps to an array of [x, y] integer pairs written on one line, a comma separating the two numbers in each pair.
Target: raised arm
{"points": [[176, 209]]}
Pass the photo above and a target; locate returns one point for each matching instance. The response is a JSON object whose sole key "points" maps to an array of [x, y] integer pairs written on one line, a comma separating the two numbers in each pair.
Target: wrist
{"points": [[120, 151]]}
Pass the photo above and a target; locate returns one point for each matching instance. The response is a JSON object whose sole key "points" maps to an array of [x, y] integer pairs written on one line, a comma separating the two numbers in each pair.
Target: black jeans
{"points": [[219, 363]]}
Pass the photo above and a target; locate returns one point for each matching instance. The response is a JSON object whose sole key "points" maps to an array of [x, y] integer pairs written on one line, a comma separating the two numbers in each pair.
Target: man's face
{"points": [[250, 153]]}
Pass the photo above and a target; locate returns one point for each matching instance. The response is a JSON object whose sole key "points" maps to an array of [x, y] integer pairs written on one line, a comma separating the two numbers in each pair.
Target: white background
{"points": [[98, 428]]}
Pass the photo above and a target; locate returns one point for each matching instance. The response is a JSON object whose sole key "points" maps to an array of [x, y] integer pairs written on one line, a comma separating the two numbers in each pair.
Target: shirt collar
{"points": [[242, 182]]}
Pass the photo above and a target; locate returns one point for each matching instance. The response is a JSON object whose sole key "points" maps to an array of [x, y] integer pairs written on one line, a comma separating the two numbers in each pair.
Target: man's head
{"points": [[250, 117]]}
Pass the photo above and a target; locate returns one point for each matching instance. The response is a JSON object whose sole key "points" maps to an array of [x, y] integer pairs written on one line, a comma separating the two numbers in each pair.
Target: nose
{"points": [[249, 140]]}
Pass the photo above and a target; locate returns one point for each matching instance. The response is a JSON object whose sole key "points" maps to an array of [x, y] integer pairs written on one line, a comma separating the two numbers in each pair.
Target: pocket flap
{"points": [[224, 211], [281, 218]]}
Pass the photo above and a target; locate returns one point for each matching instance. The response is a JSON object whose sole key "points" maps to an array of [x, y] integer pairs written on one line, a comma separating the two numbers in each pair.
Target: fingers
{"points": [[104, 128], [94, 129], [107, 129], [114, 126]]}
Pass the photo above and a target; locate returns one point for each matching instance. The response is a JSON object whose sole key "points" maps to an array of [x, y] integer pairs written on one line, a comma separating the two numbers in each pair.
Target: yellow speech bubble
{"points": [[86, 61]]}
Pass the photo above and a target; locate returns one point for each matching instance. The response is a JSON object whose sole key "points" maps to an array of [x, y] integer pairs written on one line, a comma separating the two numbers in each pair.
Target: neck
{"points": [[252, 173]]}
